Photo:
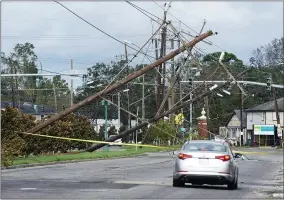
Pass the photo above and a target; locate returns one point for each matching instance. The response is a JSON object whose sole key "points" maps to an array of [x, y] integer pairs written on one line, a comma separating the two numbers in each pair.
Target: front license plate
{"points": [[203, 161]]}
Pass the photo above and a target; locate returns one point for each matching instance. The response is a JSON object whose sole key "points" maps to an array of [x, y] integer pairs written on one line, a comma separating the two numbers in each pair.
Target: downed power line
{"points": [[181, 105], [120, 83]]}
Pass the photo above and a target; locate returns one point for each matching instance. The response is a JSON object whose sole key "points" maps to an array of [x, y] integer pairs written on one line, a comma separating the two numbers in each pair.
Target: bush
{"points": [[12, 142]]}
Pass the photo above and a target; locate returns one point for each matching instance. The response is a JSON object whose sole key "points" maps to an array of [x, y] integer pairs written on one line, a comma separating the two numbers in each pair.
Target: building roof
{"points": [[268, 106], [29, 109], [238, 114]]}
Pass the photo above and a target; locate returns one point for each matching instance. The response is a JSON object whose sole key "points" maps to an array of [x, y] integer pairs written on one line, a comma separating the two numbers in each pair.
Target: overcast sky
{"points": [[59, 36]]}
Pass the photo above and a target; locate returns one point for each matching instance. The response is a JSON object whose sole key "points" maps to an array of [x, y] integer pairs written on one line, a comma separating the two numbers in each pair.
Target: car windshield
{"points": [[204, 147]]}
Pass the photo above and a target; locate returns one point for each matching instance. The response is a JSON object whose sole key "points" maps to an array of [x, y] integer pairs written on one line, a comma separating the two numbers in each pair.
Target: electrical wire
{"points": [[188, 26], [141, 9], [98, 28]]}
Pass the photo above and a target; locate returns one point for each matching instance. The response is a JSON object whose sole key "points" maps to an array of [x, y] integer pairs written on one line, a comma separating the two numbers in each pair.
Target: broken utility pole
{"points": [[156, 118], [120, 83]]}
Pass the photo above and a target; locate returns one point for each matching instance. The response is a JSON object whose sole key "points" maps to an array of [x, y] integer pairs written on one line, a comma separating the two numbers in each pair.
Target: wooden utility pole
{"points": [[277, 113], [126, 60], [158, 77], [173, 109], [171, 100], [207, 110], [241, 115], [120, 83], [180, 85]]}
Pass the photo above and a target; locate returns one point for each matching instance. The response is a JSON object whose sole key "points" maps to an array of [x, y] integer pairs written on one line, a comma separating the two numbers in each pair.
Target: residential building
{"points": [[38, 111], [265, 114], [233, 127]]}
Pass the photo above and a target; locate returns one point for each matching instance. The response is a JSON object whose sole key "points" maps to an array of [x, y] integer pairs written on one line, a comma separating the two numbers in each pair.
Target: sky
{"points": [[59, 36]]}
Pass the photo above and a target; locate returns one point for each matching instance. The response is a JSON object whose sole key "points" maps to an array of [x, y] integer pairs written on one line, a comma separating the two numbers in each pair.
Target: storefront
{"points": [[265, 135]]}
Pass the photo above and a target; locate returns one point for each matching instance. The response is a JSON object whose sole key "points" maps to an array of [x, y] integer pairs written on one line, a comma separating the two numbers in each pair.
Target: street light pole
{"points": [[118, 111], [105, 104], [137, 112]]}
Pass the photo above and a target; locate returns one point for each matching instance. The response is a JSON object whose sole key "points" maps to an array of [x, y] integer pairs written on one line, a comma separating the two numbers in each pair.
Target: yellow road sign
{"points": [[179, 119]]}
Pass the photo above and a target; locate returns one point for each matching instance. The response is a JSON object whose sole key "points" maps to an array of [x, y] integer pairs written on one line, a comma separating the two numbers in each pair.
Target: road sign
{"points": [[179, 119]]}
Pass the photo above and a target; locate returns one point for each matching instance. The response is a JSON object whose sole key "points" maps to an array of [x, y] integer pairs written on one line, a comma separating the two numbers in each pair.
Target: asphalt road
{"points": [[145, 177]]}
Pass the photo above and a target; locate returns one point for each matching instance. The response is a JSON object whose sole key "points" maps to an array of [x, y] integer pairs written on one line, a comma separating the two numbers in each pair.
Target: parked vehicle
{"points": [[206, 162]]}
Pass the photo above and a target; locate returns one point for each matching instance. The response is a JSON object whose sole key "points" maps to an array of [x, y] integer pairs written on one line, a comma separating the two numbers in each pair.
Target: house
{"points": [[38, 111], [264, 115], [97, 123], [233, 127]]}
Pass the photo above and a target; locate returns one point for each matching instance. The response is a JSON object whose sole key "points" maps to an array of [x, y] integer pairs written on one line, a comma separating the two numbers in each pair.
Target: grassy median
{"points": [[126, 152]]}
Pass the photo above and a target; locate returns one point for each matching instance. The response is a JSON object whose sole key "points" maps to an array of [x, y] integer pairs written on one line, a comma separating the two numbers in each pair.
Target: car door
{"points": [[234, 161]]}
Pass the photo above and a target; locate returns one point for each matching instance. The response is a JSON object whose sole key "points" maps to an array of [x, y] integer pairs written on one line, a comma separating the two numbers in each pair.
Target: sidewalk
{"points": [[261, 147]]}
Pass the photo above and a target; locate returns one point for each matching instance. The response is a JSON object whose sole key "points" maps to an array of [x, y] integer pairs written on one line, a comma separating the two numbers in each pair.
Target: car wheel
{"points": [[233, 185], [178, 183]]}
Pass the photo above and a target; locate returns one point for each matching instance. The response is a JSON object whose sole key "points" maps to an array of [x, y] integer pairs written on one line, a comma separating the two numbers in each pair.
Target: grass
{"points": [[129, 152]]}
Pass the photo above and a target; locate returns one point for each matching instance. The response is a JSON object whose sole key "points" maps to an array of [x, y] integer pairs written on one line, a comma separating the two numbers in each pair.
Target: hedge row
{"points": [[15, 143]]}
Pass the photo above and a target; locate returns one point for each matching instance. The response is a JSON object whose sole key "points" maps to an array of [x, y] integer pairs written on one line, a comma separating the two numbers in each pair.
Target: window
{"points": [[205, 146], [262, 116]]}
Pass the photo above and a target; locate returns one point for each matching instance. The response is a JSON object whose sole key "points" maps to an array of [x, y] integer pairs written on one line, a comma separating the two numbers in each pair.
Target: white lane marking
{"points": [[92, 190], [28, 188], [142, 183]]}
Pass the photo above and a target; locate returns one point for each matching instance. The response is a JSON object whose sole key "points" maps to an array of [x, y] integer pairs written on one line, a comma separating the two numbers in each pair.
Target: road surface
{"points": [[145, 177]]}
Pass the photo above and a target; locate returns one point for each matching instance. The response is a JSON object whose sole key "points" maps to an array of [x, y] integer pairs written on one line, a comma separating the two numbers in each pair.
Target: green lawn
{"points": [[83, 156]]}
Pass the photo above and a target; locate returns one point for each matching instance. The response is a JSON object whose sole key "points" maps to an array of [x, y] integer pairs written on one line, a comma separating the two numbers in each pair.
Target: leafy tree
{"points": [[162, 130], [228, 58], [23, 60], [62, 92]]}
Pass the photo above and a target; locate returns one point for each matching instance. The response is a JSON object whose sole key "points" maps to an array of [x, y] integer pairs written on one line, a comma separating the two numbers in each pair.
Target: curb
{"points": [[69, 161]]}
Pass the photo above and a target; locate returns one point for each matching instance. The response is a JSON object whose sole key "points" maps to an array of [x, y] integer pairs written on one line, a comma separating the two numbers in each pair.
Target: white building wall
{"points": [[234, 121], [255, 118], [263, 118], [271, 118]]}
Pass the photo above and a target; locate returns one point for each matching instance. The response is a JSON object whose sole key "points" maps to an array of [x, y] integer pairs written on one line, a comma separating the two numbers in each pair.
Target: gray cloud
{"points": [[59, 36]]}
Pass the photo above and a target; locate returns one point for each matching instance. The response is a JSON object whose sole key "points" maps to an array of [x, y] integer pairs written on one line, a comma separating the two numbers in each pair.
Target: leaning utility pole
{"points": [[120, 83], [184, 103]]}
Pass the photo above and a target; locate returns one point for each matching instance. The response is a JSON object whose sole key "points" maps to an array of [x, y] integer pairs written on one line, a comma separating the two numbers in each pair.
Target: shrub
{"points": [[12, 141]]}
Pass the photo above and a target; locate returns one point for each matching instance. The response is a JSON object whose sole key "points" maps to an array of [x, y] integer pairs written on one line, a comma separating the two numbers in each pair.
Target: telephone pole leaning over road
{"points": [[118, 84]]}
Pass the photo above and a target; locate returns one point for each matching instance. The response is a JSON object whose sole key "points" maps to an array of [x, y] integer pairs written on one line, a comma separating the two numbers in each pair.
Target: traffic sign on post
{"points": [[179, 119]]}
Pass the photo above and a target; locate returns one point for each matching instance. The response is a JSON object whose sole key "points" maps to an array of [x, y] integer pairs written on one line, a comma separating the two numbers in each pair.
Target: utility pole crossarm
{"points": [[120, 83]]}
